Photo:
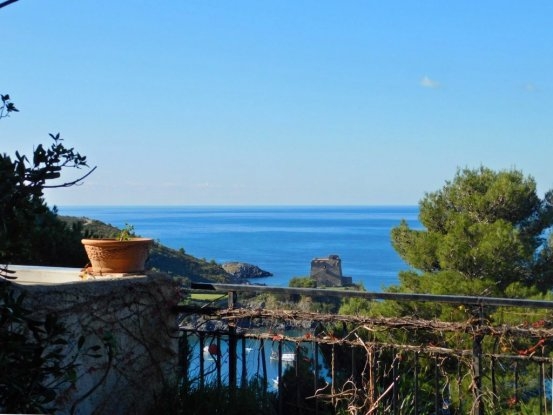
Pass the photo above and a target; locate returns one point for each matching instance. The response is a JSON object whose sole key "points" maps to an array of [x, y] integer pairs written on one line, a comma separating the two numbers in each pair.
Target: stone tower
{"points": [[327, 271]]}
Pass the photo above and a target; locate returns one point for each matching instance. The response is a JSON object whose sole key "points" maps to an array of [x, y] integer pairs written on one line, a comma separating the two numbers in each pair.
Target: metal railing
{"points": [[378, 365]]}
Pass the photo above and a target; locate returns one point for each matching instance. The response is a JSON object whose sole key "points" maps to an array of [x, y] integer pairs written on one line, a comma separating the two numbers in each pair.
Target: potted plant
{"points": [[125, 254]]}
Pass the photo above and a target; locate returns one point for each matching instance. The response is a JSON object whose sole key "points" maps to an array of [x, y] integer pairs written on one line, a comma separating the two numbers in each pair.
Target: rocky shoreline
{"points": [[244, 271]]}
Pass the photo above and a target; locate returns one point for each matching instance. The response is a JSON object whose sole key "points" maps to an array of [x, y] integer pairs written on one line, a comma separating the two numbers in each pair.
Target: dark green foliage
{"points": [[38, 356], [298, 387], [32, 357], [355, 306], [319, 304], [251, 399], [211, 399], [485, 233], [178, 264], [303, 282], [30, 233], [48, 241], [483, 230], [7, 106]]}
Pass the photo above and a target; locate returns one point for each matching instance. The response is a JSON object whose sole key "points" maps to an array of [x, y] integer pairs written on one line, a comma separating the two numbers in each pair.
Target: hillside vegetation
{"points": [[162, 258]]}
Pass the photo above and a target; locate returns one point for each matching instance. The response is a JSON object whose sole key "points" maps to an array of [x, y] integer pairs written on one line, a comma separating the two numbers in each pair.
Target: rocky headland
{"points": [[175, 262], [244, 271]]}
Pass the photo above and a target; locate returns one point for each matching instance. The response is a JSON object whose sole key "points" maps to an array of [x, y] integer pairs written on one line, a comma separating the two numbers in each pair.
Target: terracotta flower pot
{"points": [[112, 256]]}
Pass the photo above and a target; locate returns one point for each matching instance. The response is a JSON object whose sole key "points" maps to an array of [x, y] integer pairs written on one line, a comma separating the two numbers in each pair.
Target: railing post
{"points": [[543, 401], [201, 360], [333, 377], [233, 357], [297, 367], [516, 391], [316, 373], [395, 380], [218, 360], [477, 373], [244, 379], [263, 363], [280, 397], [231, 299], [183, 356], [459, 381], [477, 364], [416, 392], [372, 375], [495, 398], [436, 386]]}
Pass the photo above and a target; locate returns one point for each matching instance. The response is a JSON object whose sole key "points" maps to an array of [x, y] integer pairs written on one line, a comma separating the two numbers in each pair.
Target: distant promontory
{"points": [[245, 271]]}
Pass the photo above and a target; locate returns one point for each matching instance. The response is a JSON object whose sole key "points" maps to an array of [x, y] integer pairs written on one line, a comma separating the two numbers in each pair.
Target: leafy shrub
{"points": [[32, 356]]}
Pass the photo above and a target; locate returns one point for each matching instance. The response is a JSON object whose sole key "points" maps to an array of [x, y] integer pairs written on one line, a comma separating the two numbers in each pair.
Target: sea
{"points": [[280, 239]]}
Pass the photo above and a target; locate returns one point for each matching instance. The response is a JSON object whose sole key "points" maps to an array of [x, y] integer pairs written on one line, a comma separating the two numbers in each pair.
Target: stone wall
{"points": [[130, 329]]}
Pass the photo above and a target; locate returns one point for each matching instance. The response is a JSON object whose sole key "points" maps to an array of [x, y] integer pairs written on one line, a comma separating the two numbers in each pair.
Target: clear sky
{"points": [[280, 102]]}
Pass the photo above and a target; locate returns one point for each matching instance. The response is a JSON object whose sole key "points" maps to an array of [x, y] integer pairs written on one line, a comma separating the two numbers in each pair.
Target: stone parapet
{"points": [[128, 322]]}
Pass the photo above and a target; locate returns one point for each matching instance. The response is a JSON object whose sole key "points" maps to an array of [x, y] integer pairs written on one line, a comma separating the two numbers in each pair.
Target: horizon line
{"points": [[239, 205]]}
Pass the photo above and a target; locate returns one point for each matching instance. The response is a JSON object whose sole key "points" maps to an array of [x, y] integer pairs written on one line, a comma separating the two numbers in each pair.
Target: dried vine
{"points": [[378, 385]]}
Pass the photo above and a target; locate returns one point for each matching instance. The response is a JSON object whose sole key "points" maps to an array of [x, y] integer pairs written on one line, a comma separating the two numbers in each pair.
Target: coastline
{"points": [[281, 240]]}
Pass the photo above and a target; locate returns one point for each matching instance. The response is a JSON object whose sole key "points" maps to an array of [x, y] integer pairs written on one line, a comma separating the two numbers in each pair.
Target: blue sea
{"points": [[282, 240]]}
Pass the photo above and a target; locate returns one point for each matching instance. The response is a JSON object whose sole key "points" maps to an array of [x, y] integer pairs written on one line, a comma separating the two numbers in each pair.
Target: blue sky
{"points": [[280, 102]]}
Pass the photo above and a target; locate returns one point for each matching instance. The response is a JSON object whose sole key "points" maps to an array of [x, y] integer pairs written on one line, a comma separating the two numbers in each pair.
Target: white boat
{"points": [[286, 357]]}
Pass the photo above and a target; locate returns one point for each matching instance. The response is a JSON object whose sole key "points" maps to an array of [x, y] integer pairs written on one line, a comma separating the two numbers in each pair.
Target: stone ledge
{"points": [[40, 275]]}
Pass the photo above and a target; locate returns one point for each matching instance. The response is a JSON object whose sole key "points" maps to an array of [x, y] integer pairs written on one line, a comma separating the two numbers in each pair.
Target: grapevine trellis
{"points": [[402, 365]]}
